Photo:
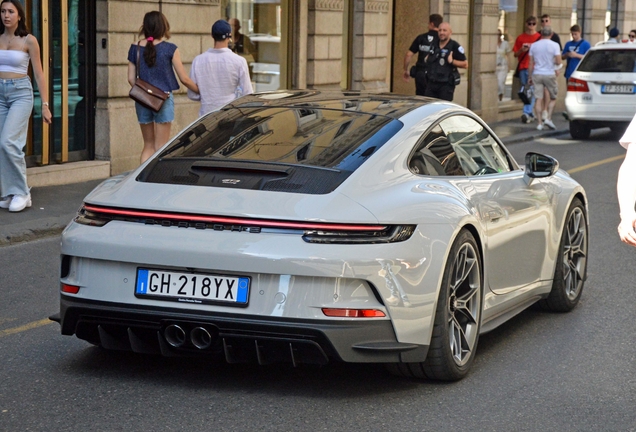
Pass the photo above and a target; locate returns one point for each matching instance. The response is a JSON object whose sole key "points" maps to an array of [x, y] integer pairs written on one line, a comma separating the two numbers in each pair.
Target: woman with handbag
{"points": [[17, 48], [152, 64]]}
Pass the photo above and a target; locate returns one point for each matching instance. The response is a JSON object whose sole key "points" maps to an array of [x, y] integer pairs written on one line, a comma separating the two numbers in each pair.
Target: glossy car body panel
{"points": [[517, 224]]}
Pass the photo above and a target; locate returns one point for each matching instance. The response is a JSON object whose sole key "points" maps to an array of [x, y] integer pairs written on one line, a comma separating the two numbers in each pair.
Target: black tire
{"points": [[571, 266], [457, 317], [580, 130]]}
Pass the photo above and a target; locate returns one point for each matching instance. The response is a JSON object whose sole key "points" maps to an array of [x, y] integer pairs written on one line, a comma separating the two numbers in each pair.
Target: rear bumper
{"points": [[598, 112], [237, 338]]}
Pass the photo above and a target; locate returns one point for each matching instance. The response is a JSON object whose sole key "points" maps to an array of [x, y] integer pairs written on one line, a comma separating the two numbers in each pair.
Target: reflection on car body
{"points": [[345, 226]]}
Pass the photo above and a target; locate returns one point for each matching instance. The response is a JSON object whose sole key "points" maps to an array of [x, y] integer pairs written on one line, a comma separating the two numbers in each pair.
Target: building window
{"points": [[260, 36]]}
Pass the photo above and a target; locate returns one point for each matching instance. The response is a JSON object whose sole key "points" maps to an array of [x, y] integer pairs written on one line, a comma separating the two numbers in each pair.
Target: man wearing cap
{"points": [[221, 75], [613, 35]]}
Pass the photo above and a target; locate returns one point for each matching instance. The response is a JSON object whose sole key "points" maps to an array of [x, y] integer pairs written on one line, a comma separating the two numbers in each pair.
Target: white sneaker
{"points": [[20, 202], [544, 115], [5, 202], [549, 124], [540, 126]]}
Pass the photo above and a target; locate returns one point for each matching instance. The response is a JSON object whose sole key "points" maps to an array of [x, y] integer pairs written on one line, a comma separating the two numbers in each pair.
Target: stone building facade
{"points": [[323, 44]]}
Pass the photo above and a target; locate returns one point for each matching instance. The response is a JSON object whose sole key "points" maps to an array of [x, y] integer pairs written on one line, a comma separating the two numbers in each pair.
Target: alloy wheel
{"points": [[464, 304], [574, 253]]}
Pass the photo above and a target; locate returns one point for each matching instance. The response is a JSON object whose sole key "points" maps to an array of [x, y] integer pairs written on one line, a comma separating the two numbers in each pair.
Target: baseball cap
{"points": [[221, 30], [613, 32]]}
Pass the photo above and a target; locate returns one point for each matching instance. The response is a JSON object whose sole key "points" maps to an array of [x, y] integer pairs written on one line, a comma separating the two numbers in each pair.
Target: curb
{"points": [[35, 230], [532, 135]]}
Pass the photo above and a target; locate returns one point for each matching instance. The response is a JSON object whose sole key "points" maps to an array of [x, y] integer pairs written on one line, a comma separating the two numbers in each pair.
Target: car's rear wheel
{"points": [[580, 130], [457, 317], [571, 265]]}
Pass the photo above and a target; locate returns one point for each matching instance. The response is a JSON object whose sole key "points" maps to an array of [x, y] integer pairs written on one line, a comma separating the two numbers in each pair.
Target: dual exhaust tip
{"points": [[200, 337]]}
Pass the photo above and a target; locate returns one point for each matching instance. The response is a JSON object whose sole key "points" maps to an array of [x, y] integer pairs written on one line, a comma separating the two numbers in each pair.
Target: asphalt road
{"points": [[540, 371]]}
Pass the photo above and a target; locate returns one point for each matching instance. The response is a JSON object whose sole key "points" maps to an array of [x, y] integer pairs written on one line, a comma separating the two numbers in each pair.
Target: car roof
{"points": [[613, 46], [385, 104]]}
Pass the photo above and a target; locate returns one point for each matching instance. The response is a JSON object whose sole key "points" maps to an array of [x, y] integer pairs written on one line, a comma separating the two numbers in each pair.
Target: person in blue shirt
{"points": [[574, 50]]}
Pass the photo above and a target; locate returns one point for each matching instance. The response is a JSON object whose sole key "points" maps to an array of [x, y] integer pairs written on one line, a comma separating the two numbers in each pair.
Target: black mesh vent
{"points": [[278, 178]]}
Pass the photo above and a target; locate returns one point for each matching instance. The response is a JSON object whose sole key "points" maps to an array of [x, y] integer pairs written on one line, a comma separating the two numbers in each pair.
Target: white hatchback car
{"points": [[602, 90]]}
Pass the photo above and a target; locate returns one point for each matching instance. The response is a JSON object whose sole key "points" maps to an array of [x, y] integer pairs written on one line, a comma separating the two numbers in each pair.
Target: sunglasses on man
{"points": [[531, 23]]}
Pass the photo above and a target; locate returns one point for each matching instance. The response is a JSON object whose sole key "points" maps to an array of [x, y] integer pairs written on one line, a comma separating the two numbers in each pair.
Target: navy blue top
{"points": [[161, 74]]}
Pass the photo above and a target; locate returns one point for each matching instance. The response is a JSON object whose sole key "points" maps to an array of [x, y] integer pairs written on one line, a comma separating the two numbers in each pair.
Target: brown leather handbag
{"points": [[145, 93]]}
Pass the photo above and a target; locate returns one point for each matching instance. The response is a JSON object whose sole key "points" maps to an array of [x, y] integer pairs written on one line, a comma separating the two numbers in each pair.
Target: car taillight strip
{"points": [[99, 211]]}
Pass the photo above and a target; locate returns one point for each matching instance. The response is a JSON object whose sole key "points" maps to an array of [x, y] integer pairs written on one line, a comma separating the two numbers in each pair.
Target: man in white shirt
{"points": [[221, 75], [545, 63]]}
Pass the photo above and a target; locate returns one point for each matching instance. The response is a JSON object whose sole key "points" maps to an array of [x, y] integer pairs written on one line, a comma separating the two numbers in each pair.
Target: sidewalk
{"points": [[54, 206], [513, 131]]}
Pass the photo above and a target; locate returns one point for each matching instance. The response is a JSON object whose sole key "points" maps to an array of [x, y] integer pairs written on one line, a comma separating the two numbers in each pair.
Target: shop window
{"points": [[507, 31], [259, 35]]}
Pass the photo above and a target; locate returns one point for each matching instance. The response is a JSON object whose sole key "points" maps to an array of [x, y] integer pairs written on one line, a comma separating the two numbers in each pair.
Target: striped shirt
{"points": [[222, 76]]}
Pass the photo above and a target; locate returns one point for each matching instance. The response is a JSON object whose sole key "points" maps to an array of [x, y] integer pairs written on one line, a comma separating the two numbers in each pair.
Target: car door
{"points": [[516, 216]]}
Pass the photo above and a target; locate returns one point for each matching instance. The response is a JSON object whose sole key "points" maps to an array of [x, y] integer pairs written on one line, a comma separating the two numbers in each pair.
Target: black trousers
{"points": [[444, 91], [420, 82]]}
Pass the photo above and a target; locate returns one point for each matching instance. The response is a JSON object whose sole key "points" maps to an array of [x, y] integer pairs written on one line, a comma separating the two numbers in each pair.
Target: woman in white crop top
{"points": [[17, 46]]}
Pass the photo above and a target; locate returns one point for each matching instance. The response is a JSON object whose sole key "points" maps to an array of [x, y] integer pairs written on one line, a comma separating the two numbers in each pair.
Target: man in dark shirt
{"points": [[422, 45], [442, 63], [241, 44], [547, 21]]}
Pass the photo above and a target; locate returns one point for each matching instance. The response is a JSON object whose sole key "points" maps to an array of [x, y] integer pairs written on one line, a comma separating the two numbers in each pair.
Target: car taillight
{"points": [[577, 85], [388, 234], [69, 289], [88, 217], [353, 313]]}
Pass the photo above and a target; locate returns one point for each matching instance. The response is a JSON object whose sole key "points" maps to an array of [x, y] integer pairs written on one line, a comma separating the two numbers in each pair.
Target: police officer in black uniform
{"points": [[422, 45], [442, 63]]}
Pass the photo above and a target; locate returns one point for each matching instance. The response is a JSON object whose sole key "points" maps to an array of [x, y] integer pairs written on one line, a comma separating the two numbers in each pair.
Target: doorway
{"points": [[65, 30]]}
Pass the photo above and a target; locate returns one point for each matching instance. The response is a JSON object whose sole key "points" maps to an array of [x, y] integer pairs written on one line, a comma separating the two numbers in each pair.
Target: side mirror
{"points": [[540, 166]]}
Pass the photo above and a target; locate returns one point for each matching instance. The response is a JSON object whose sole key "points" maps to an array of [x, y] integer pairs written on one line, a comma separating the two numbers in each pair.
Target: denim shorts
{"points": [[165, 114]]}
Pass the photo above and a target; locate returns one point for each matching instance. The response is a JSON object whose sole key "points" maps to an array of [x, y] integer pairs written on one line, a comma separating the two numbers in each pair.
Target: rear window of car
{"points": [[324, 138], [286, 149], [616, 60]]}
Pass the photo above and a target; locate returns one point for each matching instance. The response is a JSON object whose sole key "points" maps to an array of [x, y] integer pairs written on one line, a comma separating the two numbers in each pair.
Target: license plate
{"points": [[617, 88], [197, 288]]}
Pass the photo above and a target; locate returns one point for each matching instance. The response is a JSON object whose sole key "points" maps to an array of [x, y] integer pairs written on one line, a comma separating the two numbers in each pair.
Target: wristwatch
{"points": [[45, 104]]}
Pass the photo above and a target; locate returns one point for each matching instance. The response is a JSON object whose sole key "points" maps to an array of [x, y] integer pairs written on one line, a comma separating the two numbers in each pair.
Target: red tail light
{"points": [[70, 289], [353, 313], [577, 85]]}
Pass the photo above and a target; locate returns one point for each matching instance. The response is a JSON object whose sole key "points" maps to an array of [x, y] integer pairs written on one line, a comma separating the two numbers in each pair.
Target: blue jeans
{"points": [[523, 77], [16, 104]]}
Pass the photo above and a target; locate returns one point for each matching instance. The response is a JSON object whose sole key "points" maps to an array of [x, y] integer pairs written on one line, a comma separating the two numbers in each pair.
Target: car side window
{"points": [[435, 156], [477, 150]]}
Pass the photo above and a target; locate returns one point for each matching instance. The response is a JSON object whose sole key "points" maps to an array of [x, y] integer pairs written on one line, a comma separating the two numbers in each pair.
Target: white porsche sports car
{"points": [[308, 226]]}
